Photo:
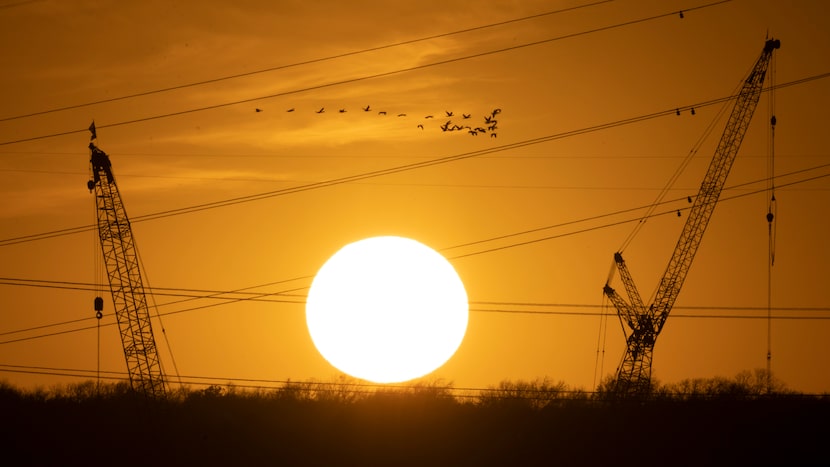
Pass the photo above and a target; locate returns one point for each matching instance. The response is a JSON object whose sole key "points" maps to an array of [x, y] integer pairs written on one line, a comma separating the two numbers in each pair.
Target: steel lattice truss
{"points": [[122, 264], [645, 323]]}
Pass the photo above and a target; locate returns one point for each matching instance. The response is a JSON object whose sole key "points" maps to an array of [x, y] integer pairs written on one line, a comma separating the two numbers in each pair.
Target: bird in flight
{"points": [[420, 126], [366, 109], [290, 110], [259, 110], [401, 115], [465, 115], [322, 109], [342, 111], [449, 114], [382, 112], [428, 116]]}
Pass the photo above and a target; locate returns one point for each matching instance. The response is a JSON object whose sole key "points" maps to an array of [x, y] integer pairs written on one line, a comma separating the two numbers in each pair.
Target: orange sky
{"points": [[589, 66]]}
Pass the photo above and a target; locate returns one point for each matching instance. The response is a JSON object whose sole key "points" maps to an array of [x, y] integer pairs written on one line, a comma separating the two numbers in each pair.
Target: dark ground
{"points": [[420, 430]]}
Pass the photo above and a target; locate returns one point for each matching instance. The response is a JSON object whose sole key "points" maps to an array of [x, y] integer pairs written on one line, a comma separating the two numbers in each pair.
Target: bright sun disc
{"points": [[387, 310]]}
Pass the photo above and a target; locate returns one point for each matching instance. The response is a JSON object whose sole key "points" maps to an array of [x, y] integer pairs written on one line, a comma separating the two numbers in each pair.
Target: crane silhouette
{"points": [[645, 322], [123, 270]]}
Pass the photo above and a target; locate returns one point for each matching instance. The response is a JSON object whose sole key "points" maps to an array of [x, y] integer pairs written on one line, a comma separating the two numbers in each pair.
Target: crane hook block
{"points": [[99, 304]]}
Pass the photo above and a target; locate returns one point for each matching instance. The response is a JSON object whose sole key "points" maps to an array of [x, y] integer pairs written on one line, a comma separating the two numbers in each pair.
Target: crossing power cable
{"points": [[86, 228], [306, 62], [300, 299], [315, 386], [344, 387], [285, 296], [364, 77], [388, 171], [575, 310]]}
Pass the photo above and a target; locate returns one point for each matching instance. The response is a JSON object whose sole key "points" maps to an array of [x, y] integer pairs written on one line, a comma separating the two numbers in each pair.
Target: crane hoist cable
{"points": [[772, 213], [98, 270], [602, 338], [154, 306]]}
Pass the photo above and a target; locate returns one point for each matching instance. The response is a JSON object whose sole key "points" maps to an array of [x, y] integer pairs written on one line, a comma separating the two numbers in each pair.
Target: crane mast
{"points": [[645, 323], [122, 265]]}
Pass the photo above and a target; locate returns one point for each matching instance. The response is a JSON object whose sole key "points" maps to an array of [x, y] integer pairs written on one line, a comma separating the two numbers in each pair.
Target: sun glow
{"points": [[387, 309]]}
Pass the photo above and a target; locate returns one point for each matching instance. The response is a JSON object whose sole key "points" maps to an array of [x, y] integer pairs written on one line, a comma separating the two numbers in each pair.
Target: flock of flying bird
{"points": [[489, 126]]}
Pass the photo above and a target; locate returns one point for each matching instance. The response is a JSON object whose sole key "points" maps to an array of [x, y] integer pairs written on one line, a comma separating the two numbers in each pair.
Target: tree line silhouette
{"points": [[716, 421]]}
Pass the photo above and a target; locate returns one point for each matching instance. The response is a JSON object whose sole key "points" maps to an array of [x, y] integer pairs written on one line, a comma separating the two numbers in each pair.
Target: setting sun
{"points": [[387, 309]]}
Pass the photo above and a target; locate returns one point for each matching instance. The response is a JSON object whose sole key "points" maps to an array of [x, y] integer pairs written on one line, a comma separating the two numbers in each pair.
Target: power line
{"points": [[307, 62], [264, 297], [623, 211], [339, 388], [383, 172], [478, 310], [365, 77], [193, 294], [278, 155], [122, 175], [611, 224], [516, 311]]}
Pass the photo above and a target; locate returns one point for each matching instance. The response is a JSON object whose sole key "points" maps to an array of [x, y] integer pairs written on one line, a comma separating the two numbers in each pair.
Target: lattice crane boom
{"points": [[124, 274], [645, 323]]}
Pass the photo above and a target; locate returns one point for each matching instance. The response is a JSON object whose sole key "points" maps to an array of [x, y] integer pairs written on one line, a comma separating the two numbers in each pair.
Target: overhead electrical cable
{"points": [[574, 310], [265, 297], [376, 173], [80, 229], [720, 114], [306, 62], [160, 116], [315, 386], [300, 299], [363, 78], [625, 221]]}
